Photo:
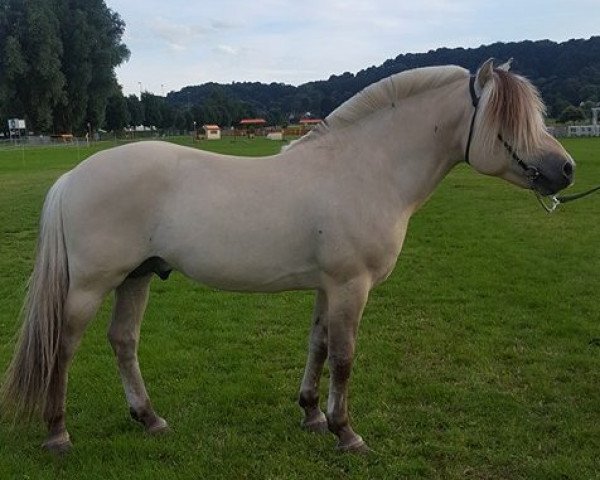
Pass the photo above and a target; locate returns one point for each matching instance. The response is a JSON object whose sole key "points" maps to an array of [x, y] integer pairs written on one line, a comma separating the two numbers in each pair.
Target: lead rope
{"points": [[557, 200]]}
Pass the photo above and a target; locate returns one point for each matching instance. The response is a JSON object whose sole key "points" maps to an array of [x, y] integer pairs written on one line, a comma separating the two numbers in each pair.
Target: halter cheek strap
{"points": [[475, 102], [529, 169]]}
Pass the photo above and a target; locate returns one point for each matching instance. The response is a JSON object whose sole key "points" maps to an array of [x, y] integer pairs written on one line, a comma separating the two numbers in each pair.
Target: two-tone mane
{"points": [[511, 105], [384, 93]]}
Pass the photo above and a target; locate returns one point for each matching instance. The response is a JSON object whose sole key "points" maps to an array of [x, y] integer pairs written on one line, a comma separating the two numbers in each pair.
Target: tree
{"points": [[152, 109], [117, 113], [167, 114], [13, 69], [183, 120], [44, 81], [571, 114], [75, 36], [108, 53], [136, 110]]}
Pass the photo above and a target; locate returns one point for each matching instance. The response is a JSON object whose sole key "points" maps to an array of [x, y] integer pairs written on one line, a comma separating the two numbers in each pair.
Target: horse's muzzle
{"points": [[553, 174]]}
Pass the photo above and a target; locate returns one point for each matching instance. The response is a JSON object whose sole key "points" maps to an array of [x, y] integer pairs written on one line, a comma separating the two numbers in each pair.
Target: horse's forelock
{"points": [[513, 108]]}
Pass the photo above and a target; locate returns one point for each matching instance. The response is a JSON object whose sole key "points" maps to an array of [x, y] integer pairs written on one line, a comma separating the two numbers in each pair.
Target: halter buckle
{"points": [[554, 202]]}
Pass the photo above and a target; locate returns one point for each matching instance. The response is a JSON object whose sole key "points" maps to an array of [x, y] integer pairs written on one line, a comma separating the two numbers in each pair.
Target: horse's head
{"points": [[508, 137]]}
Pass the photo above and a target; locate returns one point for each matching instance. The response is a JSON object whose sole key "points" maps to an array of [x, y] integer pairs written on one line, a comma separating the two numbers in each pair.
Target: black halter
{"points": [[531, 171]]}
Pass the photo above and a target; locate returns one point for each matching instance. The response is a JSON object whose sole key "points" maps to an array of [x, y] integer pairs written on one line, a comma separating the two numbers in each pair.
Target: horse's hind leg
{"points": [[314, 419], [80, 308], [131, 298]]}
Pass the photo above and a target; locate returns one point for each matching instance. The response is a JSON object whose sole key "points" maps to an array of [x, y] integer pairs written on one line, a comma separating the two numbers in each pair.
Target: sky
{"points": [[176, 43]]}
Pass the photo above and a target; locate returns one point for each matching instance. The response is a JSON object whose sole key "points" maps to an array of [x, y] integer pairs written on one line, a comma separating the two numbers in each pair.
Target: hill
{"points": [[567, 74]]}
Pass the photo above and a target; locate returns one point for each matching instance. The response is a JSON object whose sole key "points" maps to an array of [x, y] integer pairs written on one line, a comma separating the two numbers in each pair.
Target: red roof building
{"points": [[309, 121], [253, 121]]}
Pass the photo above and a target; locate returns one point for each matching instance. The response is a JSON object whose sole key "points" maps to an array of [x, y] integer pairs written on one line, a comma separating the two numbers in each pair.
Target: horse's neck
{"points": [[408, 148]]}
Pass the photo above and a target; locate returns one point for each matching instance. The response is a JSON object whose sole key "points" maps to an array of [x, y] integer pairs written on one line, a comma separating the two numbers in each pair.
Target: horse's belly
{"points": [[232, 256], [255, 273]]}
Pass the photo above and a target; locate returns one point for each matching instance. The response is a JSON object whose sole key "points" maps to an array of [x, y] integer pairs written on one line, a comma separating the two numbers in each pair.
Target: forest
{"points": [[58, 60], [567, 74]]}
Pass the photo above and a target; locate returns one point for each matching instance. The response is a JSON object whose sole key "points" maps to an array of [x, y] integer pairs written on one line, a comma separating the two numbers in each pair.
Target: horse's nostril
{"points": [[568, 169]]}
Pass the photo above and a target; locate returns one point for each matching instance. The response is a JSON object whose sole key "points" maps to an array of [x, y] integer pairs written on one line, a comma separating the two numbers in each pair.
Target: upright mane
{"points": [[384, 93], [512, 106]]}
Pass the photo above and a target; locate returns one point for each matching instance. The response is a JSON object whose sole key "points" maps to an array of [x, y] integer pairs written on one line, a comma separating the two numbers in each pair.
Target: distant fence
{"points": [[66, 140], [561, 131], [583, 131], [41, 141], [79, 144], [558, 131]]}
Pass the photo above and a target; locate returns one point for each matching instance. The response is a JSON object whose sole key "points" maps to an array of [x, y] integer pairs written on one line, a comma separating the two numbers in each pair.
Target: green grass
{"points": [[248, 147], [478, 358]]}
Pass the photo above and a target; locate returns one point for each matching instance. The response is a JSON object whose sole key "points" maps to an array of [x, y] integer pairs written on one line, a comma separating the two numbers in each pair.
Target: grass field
{"points": [[478, 358]]}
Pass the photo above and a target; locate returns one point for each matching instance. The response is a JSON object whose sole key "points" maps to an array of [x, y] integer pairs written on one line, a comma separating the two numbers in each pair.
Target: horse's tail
{"points": [[28, 378]]}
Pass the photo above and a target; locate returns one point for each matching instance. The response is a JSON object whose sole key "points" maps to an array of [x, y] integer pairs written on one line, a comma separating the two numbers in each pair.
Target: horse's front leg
{"points": [[314, 419], [344, 311]]}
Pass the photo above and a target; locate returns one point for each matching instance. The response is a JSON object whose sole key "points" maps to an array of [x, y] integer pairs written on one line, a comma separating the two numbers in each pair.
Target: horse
{"points": [[329, 213]]}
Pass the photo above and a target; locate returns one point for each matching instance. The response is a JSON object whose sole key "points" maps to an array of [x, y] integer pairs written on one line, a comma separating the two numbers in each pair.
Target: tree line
{"points": [[567, 74], [58, 60]]}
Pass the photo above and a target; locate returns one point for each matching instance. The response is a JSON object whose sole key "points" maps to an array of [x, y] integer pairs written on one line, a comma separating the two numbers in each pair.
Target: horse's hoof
{"points": [[58, 444], [319, 425], [159, 427], [357, 446]]}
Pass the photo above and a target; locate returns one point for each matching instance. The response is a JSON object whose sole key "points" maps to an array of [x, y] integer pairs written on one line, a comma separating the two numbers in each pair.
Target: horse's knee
{"points": [[123, 345], [341, 367]]}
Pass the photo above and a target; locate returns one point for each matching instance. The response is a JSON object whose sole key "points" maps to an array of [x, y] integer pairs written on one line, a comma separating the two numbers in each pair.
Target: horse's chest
{"points": [[382, 253], [381, 266]]}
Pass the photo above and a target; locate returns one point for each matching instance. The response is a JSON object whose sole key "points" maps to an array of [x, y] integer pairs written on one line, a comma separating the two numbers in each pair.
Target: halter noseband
{"points": [[531, 171]]}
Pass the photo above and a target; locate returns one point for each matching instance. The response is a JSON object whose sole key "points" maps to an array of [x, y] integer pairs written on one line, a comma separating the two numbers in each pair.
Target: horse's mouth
{"points": [[543, 191], [546, 186]]}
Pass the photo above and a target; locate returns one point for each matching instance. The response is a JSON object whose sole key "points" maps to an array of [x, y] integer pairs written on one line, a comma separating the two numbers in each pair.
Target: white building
{"points": [[212, 132]]}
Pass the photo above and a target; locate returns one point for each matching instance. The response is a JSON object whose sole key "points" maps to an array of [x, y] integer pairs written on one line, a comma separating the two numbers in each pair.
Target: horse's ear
{"points": [[506, 65], [484, 74]]}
